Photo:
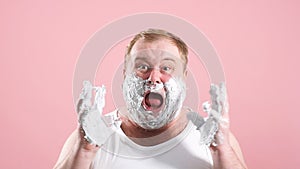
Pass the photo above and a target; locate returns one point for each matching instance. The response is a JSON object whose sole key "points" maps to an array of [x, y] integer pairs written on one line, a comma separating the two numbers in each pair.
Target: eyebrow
{"points": [[140, 58], [171, 59]]}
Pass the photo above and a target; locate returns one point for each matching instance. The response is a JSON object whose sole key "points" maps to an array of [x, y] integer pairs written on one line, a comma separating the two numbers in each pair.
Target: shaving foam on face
{"points": [[134, 89]]}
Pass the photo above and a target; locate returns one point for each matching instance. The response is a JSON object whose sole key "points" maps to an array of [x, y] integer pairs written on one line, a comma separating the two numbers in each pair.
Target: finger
{"points": [[86, 92], [99, 101], [78, 106], [223, 97], [84, 101], [96, 98], [225, 117]]}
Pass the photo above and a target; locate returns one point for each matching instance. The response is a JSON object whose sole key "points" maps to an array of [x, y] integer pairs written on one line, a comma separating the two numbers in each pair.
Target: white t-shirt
{"points": [[180, 152]]}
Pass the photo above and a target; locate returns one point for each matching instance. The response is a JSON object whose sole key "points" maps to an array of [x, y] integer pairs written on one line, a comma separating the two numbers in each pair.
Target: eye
{"points": [[143, 68], [167, 69], [167, 66]]}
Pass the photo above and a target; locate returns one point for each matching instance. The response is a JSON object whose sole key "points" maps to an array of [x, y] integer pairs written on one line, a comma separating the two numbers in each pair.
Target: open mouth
{"points": [[153, 101]]}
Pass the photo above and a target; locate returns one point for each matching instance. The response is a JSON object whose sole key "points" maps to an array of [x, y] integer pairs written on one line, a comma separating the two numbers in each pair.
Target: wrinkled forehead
{"points": [[154, 56], [154, 52], [158, 45]]}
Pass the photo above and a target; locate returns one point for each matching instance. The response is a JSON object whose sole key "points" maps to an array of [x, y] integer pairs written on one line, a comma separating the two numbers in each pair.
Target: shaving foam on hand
{"points": [[90, 115], [215, 109]]}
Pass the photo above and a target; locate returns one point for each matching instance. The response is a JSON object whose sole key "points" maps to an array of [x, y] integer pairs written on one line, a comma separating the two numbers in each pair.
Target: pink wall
{"points": [[258, 43]]}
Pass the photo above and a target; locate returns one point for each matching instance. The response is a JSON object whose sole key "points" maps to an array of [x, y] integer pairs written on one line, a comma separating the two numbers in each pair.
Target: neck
{"points": [[146, 137]]}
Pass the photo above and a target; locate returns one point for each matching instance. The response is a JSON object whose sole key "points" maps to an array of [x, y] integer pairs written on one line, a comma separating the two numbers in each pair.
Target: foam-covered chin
{"points": [[143, 112]]}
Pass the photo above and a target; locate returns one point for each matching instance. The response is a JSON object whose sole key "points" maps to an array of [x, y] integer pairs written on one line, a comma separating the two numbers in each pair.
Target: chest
{"points": [[185, 153]]}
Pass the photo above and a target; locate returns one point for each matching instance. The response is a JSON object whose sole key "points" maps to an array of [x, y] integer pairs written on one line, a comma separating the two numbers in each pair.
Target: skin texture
{"points": [[78, 153]]}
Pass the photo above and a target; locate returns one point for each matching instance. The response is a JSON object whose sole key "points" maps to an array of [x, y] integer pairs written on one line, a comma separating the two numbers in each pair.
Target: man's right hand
{"points": [[90, 118], [81, 147]]}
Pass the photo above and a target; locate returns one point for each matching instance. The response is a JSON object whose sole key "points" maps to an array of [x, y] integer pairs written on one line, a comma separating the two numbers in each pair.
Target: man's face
{"points": [[160, 73], [157, 62]]}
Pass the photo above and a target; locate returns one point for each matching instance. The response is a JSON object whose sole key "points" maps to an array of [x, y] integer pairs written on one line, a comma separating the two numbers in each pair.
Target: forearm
{"points": [[82, 159], [226, 158], [76, 154]]}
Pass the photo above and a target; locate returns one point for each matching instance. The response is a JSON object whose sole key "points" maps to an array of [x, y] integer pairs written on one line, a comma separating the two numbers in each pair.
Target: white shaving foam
{"points": [[133, 92], [90, 115]]}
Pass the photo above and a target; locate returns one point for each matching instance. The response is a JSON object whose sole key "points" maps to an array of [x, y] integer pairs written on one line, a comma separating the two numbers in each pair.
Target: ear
{"points": [[124, 73], [185, 74]]}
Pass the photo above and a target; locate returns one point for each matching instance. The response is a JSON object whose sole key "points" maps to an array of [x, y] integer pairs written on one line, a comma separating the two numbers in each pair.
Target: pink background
{"points": [[258, 43]]}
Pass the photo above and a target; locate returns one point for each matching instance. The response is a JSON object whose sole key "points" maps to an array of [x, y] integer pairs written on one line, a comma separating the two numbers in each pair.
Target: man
{"points": [[155, 130]]}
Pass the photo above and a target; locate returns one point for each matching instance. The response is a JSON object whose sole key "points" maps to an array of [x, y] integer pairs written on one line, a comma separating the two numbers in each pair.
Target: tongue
{"points": [[153, 100]]}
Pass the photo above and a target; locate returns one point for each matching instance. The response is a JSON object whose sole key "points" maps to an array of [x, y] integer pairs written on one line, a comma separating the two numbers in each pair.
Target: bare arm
{"points": [[77, 153], [228, 155]]}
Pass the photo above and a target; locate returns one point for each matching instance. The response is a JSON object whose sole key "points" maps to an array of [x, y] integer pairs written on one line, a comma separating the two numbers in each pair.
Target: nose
{"points": [[155, 77]]}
